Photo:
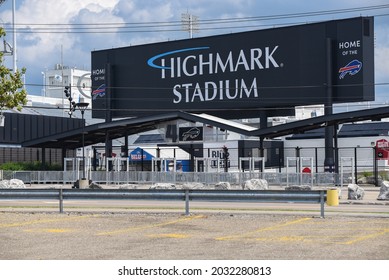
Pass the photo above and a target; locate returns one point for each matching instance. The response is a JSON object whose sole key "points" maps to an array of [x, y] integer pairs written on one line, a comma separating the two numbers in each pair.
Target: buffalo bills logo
{"points": [[352, 68], [192, 133], [100, 91]]}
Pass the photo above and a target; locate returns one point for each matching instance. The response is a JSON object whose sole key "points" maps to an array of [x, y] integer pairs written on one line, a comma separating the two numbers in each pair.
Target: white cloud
{"points": [[144, 11], [381, 65], [381, 50], [38, 51]]}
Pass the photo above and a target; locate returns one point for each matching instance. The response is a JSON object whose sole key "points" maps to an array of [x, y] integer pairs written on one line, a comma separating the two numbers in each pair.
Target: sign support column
{"points": [[329, 163], [108, 113]]}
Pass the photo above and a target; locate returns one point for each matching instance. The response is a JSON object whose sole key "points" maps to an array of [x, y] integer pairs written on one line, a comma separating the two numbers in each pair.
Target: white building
{"points": [[53, 101], [55, 80]]}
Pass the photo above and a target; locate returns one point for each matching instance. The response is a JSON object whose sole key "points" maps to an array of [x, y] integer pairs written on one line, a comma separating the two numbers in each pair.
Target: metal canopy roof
{"points": [[308, 124], [364, 129], [348, 130], [96, 133]]}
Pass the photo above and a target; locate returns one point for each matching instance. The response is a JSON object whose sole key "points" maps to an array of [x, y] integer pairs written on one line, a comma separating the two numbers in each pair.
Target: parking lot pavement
{"points": [[142, 230], [105, 236]]}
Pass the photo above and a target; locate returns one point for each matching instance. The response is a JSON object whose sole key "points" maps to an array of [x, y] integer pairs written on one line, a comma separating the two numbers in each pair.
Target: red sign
{"points": [[382, 149], [306, 170]]}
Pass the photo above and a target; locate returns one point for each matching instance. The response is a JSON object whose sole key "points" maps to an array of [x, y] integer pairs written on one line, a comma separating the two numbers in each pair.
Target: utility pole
{"points": [[7, 49], [15, 68]]}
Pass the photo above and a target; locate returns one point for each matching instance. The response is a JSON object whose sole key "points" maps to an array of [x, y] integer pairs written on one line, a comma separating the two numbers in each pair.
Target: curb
{"points": [[359, 202]]}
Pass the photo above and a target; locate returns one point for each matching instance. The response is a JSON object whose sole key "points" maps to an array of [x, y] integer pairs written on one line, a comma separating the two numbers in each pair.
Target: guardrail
{"points": [[313, 196]]}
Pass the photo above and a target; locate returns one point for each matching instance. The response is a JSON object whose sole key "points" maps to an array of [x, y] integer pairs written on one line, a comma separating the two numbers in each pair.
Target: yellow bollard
{"points": [[332, 197]]}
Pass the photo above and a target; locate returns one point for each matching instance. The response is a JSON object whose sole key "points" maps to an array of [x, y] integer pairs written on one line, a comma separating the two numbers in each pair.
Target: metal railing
{"points": [[149, 177], [317, 196]]}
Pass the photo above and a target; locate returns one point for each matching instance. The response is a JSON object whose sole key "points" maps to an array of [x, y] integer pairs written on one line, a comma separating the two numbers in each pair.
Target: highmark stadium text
{"points": [[209, 91], [210, 64]]}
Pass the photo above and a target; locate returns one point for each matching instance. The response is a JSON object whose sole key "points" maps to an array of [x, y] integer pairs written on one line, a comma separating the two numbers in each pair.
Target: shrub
{"points": [[29, 166], [367, 173]]}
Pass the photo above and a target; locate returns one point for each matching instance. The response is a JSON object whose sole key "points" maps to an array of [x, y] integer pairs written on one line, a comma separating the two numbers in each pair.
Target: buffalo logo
{"points": [[352, 68], [100, 91], [191, 133]]}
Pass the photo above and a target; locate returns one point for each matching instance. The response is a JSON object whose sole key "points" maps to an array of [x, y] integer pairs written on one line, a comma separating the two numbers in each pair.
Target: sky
{"points": [[49, 26]]}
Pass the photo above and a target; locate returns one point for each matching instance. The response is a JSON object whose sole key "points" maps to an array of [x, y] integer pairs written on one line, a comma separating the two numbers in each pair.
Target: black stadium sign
{"points": [[238, 74]]}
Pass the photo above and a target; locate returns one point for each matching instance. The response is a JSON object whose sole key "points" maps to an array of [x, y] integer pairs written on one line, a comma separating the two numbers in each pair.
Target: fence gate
{"points": [[71, 173], [301, 172], [163, 164], [73, 169], [202, 164], [342, 167], [252, 161]]}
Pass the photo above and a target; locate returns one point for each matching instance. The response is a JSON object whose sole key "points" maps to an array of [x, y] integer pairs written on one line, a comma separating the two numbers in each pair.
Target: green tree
{"points": [[12, 94]]}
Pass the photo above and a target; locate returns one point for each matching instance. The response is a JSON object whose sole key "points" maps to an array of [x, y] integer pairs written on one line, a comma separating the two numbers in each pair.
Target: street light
{"points": [[82, 107]]}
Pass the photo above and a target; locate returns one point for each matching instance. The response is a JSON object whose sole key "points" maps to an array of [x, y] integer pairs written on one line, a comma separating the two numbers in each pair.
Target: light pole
{"points": [[44, 83], [82, 107], [190, 23]]}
